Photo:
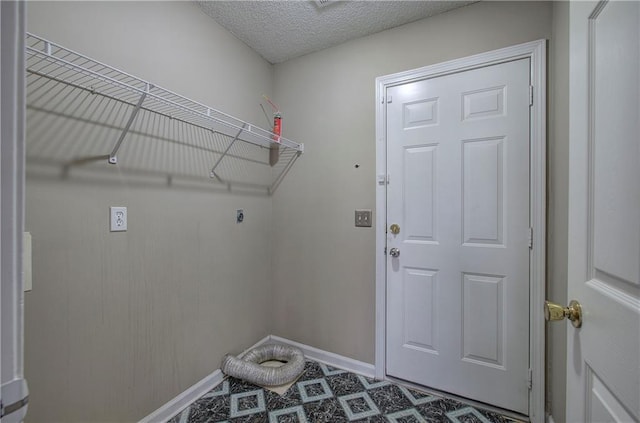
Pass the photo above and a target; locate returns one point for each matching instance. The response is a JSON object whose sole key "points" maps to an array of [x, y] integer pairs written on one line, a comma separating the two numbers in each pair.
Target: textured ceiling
{"points": [[283, 30]]}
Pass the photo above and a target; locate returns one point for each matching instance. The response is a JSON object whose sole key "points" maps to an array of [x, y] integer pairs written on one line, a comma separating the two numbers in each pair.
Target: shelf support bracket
{"points": [[286, 169], [112, 156], [213, 173]]}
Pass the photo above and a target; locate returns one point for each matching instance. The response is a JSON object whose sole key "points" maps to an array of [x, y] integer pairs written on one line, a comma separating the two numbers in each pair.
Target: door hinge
{"points": [[530, 95], [15, 396], [530, 238], [389, 99], [12, 408], [530, 379]]}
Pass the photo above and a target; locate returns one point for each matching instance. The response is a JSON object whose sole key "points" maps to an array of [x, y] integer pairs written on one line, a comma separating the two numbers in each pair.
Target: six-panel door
{"points": [[458, 293], [603, 356]]}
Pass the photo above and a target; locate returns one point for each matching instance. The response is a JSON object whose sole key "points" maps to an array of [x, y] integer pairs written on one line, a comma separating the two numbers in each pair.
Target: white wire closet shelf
{"points": [[81, 112]]}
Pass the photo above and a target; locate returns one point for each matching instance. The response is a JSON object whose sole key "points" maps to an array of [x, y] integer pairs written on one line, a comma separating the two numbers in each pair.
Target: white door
{"points": [[603, 362], [14, 394], [458, 292]]}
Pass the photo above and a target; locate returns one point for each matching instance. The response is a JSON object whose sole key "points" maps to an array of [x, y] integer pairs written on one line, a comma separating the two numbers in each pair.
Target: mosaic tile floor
{"points": [[326, 394]]}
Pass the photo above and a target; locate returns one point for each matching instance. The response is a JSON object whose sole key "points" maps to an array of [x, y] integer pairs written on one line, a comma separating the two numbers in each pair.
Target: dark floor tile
{"points": [[389, 399], [254, 418], [209, 410], [436, 411], [312, 370], [276, 402], [495, 417], [325, 411], [327, 392], [344, 384]]}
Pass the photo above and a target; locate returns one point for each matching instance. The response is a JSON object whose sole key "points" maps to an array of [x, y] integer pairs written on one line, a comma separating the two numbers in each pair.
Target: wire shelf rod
{"points": [[77, 105], [109, 97], [146, 133], [254, 135], [48, 51], [89, 73]]}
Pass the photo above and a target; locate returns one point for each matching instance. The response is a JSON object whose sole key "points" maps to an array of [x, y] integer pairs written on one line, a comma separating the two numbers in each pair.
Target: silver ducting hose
{"points": [[248, 367]]}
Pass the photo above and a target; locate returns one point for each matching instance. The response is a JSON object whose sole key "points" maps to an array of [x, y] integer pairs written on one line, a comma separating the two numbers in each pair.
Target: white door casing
{"points": [[481, 151], [603, 356], [14, 391]]}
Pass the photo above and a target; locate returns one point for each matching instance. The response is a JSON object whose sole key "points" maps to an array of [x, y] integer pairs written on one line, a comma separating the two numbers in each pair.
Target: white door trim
{"points": [[13, 392], [536, 52]]}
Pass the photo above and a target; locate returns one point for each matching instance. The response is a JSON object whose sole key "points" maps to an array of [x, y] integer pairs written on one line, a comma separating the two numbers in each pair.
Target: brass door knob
{"points": [[553, 312], [395, 229]]}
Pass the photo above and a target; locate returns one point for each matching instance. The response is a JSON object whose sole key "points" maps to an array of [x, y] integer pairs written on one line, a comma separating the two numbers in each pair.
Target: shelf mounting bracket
{"points": [[113, 159], [213, 173], [286, 169]]}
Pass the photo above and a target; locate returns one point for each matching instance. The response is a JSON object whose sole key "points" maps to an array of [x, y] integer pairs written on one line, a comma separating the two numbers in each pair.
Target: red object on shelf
{"points": [[277, 126]]}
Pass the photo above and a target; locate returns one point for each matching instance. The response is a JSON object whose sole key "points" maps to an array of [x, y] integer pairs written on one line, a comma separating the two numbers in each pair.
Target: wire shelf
{"points": [[80, 111]]}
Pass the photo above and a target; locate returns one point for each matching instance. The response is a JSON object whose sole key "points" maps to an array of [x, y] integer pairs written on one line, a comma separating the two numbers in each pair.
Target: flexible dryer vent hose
{"points": [[248, 367]]}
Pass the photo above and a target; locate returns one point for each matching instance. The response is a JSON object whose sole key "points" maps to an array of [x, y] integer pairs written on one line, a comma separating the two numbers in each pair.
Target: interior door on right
{"points": [[603, 356], [458, 269]]}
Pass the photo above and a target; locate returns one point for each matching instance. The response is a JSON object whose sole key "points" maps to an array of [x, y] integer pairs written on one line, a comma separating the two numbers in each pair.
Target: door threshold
{"points": [[516, 417]]}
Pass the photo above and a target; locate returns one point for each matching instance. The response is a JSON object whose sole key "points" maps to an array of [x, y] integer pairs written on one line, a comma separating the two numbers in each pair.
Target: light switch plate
{"points": [[118, 219], [363, 218]]}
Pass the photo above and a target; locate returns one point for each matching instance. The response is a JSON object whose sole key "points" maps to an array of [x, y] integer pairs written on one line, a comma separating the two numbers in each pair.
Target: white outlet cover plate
{"points": [[118, 219]]}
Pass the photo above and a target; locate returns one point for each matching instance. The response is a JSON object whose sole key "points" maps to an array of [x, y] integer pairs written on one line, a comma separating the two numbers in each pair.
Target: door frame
{"points": [[536, 52], [14, 391]]}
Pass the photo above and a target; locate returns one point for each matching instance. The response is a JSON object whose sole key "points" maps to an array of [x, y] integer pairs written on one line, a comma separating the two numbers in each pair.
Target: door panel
{"points": [[419, 215], [421, 323], [604, 219], [482, 187], [483, 103], [602, 405], [482, 331], [615, 118], [458, 294]]}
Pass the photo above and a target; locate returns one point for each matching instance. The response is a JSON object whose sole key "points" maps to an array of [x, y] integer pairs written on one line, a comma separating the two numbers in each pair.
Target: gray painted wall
{"points": [[557, 199], [324, 274], [117, 324]]}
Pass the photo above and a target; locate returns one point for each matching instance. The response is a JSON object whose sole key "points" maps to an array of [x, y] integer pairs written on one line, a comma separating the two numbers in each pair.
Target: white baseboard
{"points": [[181, 401], [190, 395], [329, 358]]}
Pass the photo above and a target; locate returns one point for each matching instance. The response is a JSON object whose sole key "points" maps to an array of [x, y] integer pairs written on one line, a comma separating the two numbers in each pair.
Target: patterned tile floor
{"points": [[326, 394]]}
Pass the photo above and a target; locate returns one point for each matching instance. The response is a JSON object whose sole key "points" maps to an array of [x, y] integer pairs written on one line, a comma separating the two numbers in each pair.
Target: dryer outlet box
{"points": [[363, 218]]}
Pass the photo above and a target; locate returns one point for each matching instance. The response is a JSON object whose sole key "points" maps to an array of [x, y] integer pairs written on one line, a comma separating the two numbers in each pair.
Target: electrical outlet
{"points": [[363, 218], [118, 219]]}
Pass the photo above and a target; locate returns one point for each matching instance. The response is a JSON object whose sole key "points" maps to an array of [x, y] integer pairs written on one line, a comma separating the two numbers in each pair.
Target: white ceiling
{"points": [[282, 30]]}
